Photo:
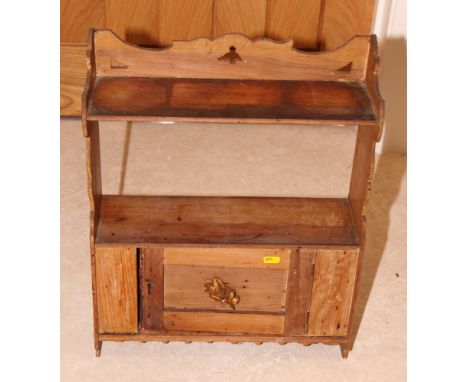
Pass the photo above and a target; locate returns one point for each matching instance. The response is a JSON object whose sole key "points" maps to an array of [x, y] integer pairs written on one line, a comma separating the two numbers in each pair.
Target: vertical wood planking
{"points": [[135, 21], [152, 288], [298, 294], [240, 16], [72, 78], [344, 19], [332, 292], [293, 19], [77, 16], [184, 20], [116, 289]]}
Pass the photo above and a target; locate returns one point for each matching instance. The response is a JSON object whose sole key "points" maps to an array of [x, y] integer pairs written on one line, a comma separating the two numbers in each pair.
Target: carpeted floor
{"points": [[234, 160]]}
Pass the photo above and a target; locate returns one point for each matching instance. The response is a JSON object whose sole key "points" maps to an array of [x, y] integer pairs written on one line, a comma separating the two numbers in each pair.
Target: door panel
{"points": [[332, 292], [116, 289]]}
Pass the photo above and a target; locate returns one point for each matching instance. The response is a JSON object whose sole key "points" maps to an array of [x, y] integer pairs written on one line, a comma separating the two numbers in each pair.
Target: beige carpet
{"points": [[234, 160]]}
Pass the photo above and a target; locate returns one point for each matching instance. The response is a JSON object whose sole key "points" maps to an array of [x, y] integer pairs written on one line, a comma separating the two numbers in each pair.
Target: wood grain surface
{"points": [[345, 19], [239, 16], [184, 20], [72, 78], [332, 292], [262, 290], [151, 288], [116, 288], [135, 21], [361, 176], [77, 17], [228, 257], [230, 99], [198, 336], [231, 220], [224, 322], [299, 292], [259, 59], [294, 19]]}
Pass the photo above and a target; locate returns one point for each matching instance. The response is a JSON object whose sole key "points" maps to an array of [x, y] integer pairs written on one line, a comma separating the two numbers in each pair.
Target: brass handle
{"points": [[220, 291]]}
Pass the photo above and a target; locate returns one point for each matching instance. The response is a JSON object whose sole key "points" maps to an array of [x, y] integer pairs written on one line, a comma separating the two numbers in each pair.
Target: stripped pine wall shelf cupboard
{"points": [[236, 269]]}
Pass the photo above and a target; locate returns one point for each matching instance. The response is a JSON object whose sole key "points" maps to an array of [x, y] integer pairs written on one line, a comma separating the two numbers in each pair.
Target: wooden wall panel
{"points": [[239, 16], [184, 20], [345, 19], [116, 289], [77, 16], [135, 21], [72, 78], [332, 292], [293, 19]]}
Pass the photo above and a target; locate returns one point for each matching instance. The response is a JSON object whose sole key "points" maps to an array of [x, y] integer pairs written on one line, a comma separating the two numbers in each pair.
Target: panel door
{"points": [[332, 292]]}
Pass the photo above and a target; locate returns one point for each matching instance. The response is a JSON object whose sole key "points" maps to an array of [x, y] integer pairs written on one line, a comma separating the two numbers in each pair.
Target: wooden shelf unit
{"points": [[277, 269]]}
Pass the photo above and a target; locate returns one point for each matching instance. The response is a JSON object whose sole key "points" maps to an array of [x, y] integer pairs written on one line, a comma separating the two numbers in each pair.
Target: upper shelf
{"points": [[233, 79]]}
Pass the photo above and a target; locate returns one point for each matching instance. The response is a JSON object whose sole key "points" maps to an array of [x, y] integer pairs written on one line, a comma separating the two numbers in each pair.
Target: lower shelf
{"points": [[134, 220]]}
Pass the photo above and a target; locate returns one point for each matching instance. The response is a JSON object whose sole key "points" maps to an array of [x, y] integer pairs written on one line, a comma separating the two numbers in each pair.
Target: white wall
{"points": [[390, 28]]}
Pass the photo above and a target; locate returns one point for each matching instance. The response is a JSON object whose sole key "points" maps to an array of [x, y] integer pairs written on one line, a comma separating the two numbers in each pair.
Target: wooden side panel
{"points": [[332, 292], [294, 19], [259, 289], [72, 78], [362, 174], [299, 289], [228, 257], [116, 284], [93, 169], [344, 19], [152, 288], [372, 82], [184, 20], [240, 16], [135, 21], [77, 16], [224, 322]]}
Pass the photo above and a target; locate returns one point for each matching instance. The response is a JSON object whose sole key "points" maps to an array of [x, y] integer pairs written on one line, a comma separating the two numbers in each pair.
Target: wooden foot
{"points": [[97, 347], [344, 350]]}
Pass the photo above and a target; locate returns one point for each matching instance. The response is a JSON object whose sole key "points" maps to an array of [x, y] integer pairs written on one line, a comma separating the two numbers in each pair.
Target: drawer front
{"points": [[199, 279], [226, 290]]}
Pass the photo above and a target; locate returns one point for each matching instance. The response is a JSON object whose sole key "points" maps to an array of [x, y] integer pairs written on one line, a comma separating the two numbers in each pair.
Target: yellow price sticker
{"points": [[271, 259]]}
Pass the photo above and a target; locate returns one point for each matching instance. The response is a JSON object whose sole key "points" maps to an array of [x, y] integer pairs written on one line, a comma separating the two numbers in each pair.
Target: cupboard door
{"points": [[227, 290], [332, 292], [116, 289]]}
